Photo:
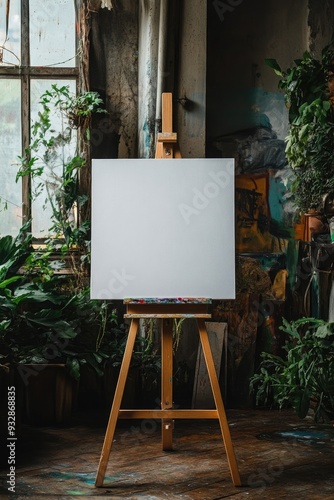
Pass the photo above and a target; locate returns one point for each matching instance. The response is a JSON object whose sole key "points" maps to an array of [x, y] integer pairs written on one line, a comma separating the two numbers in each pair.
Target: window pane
{"points": [[46, 185], [52, 33], [11, 44], [10, 149]]}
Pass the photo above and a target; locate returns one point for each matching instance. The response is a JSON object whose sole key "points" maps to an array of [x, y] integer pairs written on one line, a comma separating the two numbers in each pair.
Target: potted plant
{"points": [[309, 97], [49, 322], [31, 326], [47, 337], [304, 378]]}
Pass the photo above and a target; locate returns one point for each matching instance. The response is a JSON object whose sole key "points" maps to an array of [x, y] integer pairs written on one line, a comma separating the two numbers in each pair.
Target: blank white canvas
{"points": [[163, 229]]}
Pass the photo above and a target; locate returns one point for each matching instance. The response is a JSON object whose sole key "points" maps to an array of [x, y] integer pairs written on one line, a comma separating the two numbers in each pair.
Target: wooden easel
{"points": [[167, 145], [167, 310]]}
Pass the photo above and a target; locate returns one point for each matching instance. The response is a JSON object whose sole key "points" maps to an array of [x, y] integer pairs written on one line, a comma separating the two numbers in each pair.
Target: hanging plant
{"points": [[53, 166]]}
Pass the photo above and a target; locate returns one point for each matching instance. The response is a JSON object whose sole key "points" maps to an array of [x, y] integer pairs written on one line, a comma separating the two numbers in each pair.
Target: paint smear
{"points": [[302, 435]]}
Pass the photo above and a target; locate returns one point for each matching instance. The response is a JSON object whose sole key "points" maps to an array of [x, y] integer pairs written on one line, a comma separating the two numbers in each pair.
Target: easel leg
{"points": [[167, 381], [219, 403], [116, 403]]}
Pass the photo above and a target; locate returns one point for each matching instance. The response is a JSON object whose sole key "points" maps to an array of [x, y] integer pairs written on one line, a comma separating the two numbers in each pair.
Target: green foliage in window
{"points": [[48, 166]]}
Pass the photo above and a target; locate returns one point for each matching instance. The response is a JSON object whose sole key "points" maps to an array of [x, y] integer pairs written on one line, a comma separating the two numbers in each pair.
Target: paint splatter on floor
{"points": [[83, 477], [308, 436]]}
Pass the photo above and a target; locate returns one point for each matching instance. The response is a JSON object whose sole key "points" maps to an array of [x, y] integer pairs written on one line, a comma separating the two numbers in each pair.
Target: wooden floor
{"points": [[279, 456]]}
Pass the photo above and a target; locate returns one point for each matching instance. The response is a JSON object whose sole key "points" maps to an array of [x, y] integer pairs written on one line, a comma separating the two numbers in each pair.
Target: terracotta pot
{"points": [[315, 224]]}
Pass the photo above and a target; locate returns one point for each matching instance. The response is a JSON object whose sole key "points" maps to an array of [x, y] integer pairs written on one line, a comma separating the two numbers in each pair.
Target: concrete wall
{"points": [[114, 74], [148, 49], [172, 58], [191, 117], [215, 60]]}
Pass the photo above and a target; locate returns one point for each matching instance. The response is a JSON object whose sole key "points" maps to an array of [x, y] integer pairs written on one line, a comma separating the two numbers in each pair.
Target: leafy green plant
{"points": [[15, 294], [46, 315], [54, 168], [78, 108], [40, 323], [14, 252], [304, 378], [310, 142], [145, 353], [95, 323]]}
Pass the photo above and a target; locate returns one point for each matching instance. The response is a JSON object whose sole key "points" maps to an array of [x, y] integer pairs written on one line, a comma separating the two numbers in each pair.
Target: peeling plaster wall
{"points": [[241, 88], [172, 55], [240, 85], [223, 78], [114, 73], [246, 113], [321, 24], [128, 72]]}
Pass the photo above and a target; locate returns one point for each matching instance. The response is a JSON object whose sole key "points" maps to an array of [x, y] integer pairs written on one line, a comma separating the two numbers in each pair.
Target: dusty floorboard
{"points": [[279, 456]]}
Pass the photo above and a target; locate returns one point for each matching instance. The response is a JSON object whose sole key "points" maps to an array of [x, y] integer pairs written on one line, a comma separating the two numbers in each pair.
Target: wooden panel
{"points": [[167, 315], [202, 394], [168, 309], [177, 414], [167, 381], [167, 113], [242, 316]]}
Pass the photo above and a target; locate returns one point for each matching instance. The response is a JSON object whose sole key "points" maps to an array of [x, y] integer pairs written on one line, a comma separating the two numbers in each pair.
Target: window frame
{"points": [[26, 73]]}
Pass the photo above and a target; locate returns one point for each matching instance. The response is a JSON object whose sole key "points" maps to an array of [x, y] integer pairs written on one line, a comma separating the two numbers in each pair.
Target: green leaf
{"points": [[27, 292], [304, 130], [73, 367], [4, 325], [64, 329], [324, 331], [7, 282], [302, 403], [272, 63]]}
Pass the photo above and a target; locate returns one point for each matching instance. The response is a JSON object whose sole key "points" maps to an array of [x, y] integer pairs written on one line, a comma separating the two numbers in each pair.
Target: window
{"points": [[37, 49]]}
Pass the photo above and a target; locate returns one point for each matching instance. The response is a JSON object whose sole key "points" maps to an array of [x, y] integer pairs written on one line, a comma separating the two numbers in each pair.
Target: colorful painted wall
{"points": [[247, 119], [246, 113]]}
